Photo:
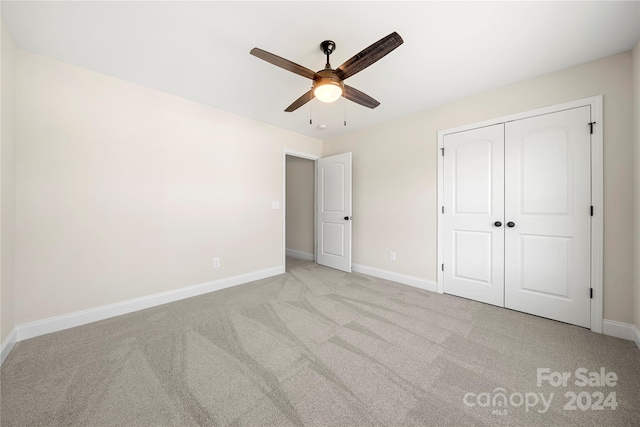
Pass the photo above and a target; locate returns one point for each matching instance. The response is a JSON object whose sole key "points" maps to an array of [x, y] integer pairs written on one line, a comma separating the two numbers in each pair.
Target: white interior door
{"points": [[334, 212], [473, 214], [547, 210]]}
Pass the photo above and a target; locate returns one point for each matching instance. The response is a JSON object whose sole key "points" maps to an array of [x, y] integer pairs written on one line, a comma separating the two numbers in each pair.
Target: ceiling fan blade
{"points": [[283, 63], [300, 102], [370, 55], [353, 94]]}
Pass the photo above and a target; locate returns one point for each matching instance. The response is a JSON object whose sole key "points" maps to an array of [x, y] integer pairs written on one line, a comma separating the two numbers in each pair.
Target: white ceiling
{"points": [[200, 50]]}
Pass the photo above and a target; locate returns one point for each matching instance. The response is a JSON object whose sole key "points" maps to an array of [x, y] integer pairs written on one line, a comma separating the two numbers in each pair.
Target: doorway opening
{"points": [[317, 203], [299, 207]]}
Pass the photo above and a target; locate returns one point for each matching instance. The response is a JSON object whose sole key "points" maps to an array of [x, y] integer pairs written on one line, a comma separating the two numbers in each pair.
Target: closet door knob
{"points": [[511, 224], [497, 224]]}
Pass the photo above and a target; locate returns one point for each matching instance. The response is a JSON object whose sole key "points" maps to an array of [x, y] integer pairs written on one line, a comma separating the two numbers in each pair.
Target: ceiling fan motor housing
{"points": [[328, 77]]}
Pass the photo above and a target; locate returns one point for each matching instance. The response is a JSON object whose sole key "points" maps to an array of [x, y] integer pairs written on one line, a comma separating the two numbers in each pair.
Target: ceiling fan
{"points": [[328, 84]]}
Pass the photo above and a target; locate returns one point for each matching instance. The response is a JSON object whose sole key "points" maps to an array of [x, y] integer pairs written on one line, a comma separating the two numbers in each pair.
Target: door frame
{"points": [[597, 192], [288, 152]]}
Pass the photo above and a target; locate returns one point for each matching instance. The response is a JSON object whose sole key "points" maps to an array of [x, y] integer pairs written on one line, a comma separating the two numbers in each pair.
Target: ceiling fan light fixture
{"points": [[328, 92], [327, 88]]}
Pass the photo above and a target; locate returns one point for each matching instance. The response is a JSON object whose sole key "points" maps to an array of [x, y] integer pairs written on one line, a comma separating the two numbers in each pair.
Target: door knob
{"points": [[511, 224], [347, 218], [497, 224]]}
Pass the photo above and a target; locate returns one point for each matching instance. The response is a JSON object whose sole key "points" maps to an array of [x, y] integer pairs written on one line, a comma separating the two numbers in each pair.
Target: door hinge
{"points": [[442, 267], [442, 149], [591, 294], [591, 210], [443, 209], [591, 127]]}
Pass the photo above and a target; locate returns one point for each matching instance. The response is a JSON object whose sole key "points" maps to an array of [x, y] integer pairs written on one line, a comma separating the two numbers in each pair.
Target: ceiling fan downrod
{"points": [[327, 47]]}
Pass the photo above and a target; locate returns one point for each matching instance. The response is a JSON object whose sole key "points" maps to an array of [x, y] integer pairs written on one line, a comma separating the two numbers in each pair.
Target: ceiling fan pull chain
{"points": [[310, 112], [345, 111]]}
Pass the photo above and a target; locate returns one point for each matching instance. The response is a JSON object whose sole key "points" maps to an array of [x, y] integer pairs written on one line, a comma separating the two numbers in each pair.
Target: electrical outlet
{"points": [[392, 256], [216, 262]]}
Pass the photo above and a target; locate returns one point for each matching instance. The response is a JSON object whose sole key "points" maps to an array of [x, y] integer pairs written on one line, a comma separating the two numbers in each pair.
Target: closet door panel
{"points": [[474, 202], [548, 199]]}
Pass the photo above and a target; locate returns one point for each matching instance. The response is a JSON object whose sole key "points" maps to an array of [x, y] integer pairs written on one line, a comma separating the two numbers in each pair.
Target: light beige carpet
{"points": [[318, 347]]}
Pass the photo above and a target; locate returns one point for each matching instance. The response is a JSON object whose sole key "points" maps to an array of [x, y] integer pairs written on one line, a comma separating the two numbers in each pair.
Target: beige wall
{"points": [[124, 191], [395, 173], [300, 204], [636, 117], [8, 182]]}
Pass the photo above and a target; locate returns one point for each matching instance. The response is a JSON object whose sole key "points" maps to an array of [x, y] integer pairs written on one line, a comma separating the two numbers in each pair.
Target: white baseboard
{"points": [[59, 323], [625, 331], [300, 254], [7, 345], [416, 282]]}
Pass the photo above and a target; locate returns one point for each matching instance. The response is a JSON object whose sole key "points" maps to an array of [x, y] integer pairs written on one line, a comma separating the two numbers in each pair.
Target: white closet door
{"points": [[473, 216], [548, 200]]}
